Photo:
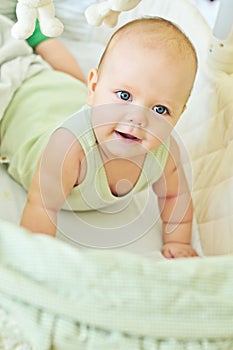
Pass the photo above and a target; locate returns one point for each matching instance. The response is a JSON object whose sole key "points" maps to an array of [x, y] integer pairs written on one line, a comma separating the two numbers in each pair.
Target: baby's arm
{"points": [[56, 54], [176, 208], [54, 179]]}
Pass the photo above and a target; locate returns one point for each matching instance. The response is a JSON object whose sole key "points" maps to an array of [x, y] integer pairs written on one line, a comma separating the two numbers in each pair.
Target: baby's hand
{"points": [[178, 250]]}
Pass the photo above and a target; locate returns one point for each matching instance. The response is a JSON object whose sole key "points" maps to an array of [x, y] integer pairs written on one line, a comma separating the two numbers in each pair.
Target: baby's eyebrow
{"points": [[124, 86], [167, 103]]}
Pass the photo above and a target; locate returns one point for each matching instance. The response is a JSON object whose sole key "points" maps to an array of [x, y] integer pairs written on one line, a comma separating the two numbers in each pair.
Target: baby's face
{"points": [[151, 85]]}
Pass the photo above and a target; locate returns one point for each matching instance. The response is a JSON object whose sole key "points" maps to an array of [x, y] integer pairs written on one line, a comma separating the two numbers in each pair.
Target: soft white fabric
{"points": [[70, 299]]}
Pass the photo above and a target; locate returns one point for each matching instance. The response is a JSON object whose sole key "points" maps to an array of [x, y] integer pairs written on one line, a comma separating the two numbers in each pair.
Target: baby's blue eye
{"points": [[124, 95], [161, 109]]}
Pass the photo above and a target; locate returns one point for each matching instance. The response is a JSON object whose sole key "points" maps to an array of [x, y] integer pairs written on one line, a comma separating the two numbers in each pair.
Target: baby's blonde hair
{"points": [[153, 32]]}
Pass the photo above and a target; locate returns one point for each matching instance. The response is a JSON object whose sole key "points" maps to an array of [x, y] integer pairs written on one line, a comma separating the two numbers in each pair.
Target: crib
{"points": [[55, 296]]}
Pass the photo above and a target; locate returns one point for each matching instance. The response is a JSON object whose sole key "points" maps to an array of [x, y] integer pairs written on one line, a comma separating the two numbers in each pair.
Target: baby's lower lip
{"points": [[127, 137]]}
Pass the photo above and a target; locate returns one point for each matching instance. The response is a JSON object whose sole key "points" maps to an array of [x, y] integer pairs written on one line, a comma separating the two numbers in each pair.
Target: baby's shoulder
{"points": [[66, 145]]}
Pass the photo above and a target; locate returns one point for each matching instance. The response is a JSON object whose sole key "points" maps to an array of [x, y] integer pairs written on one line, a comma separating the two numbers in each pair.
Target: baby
{"points": [[121, 142]]}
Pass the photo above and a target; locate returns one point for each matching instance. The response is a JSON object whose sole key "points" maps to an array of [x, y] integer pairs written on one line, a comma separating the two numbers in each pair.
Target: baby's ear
{"points": [[91, 85]]}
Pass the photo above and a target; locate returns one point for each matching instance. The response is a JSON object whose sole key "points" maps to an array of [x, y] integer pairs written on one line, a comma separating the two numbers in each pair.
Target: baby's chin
{"points": [[126, 151]]}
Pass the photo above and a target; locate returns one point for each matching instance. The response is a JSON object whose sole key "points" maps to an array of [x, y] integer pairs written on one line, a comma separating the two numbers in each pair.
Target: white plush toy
{"points": [[27, 11], [108, 11]]}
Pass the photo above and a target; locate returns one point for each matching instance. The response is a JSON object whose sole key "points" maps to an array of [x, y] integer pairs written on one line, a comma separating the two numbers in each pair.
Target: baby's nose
{"points": [[137, 116]]}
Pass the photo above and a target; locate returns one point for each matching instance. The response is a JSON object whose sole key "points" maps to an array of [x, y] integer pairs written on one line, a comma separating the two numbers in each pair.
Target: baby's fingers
{"points": [[185, 253], [171, 251], [167, 253]]}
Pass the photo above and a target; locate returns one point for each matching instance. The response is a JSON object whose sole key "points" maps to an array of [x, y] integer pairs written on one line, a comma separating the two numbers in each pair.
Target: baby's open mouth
{"points": [[127, 136]]}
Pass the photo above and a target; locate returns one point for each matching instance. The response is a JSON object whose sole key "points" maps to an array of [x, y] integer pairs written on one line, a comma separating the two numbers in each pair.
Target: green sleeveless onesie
{"points": [[41, 103]]}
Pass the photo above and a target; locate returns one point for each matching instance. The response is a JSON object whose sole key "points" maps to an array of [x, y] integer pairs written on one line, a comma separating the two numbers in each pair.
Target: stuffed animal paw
{"points": [[27, 11], [97, 14], [108, 11]]}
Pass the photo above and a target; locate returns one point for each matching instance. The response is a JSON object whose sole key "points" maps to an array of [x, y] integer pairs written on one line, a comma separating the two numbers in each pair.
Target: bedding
{"points": [[64, 298], [10, 335]]}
